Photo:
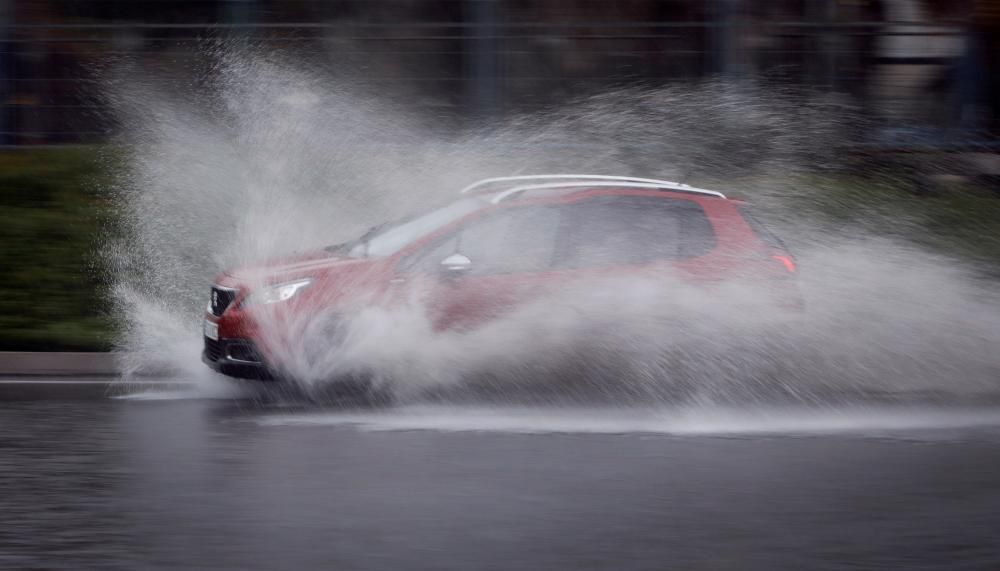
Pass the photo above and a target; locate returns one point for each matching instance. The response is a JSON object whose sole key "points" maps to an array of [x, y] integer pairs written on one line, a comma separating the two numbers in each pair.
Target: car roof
{"points": [[613, 189], [499, 189]]}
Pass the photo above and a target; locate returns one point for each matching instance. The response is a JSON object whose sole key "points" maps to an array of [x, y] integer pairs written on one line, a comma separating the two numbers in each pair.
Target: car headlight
{"points": [[277, 293]]}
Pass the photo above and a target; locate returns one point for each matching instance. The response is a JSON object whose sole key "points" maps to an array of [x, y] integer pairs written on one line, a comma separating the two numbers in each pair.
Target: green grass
{"points": [[54, 207], [956, 219]]}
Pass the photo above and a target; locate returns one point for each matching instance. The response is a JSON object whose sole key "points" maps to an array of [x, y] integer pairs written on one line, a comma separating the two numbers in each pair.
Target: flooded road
{"points": [[165, 483]]}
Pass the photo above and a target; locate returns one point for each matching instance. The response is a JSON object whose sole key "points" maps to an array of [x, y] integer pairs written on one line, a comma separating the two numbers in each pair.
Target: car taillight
{"points": [[786, 261]]}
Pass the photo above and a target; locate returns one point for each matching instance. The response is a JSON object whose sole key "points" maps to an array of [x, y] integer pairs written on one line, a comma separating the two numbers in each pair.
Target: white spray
{"points": [[264, 158]]}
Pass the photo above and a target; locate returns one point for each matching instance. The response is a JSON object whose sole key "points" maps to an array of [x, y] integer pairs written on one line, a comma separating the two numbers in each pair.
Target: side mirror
{"points": [[455, 265]]}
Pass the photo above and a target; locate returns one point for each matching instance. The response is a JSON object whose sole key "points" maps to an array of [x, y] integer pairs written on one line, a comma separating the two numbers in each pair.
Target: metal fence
{"points": [[479, 58]]}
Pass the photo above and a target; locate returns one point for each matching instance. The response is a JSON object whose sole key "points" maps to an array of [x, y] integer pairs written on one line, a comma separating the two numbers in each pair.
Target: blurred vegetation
{"points": [[57, 206], [54, 209], [956, 218]]}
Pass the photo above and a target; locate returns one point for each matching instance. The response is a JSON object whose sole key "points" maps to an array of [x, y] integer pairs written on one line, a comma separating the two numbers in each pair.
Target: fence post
{"points": [[725, 40], [238, 12], [823, 13], [481, 58], [6, 71]]}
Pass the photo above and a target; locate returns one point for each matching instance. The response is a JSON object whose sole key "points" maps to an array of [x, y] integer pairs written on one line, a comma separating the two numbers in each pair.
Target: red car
{"points": [[502, 242]]}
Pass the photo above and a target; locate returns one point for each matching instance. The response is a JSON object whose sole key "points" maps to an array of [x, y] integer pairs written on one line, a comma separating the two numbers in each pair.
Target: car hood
{"points": [[318, 265]]}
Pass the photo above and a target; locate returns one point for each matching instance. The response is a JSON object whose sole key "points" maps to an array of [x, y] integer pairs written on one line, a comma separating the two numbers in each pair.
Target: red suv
{"points": [[504, 241]]}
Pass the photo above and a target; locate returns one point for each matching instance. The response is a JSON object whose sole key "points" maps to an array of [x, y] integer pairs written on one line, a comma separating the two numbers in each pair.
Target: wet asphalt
{"points": [[163, 482]]}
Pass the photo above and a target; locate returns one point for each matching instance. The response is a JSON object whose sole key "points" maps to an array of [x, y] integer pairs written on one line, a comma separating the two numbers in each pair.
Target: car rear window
{"points": [[765, 235], [613, 230]]}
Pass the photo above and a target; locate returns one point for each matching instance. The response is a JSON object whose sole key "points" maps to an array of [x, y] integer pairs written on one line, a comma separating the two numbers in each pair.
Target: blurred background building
{"points": [[926, 68]]}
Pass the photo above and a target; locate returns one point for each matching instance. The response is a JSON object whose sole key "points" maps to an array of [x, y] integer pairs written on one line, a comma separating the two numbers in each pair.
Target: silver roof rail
{"points": [[579, 177], [665, 185]]}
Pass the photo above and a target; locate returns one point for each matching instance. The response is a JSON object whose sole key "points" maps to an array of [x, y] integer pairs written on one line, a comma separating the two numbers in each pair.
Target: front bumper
{"points": [[238, 358]]}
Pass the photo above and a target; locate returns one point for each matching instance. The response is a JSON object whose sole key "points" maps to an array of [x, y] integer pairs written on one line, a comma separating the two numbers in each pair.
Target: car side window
{"points": [[429, 259], [626, 230], [508, 241]]}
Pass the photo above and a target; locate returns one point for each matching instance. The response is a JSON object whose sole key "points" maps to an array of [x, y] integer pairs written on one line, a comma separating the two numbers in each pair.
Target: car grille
{"points": [[221, 299], [213, 350]]}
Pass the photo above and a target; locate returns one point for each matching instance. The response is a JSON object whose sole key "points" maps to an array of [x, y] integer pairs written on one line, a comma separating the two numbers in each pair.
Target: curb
{"points": [[18, 363], [67, 388]]}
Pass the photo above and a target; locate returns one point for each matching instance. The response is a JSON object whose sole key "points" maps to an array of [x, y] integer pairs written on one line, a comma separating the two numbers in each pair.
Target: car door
{"points": [[492, 263]]}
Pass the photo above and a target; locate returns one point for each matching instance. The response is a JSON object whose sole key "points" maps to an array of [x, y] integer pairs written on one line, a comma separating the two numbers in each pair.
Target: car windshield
{"points": [[387, 239]]}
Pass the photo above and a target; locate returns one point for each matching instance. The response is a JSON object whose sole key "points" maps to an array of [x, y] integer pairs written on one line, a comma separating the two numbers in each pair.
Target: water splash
{"points": [[867, 421], [267, 156]]}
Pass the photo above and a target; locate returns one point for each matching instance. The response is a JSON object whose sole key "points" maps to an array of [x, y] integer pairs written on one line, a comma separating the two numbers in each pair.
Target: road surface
{"points": [[164, 481]]}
